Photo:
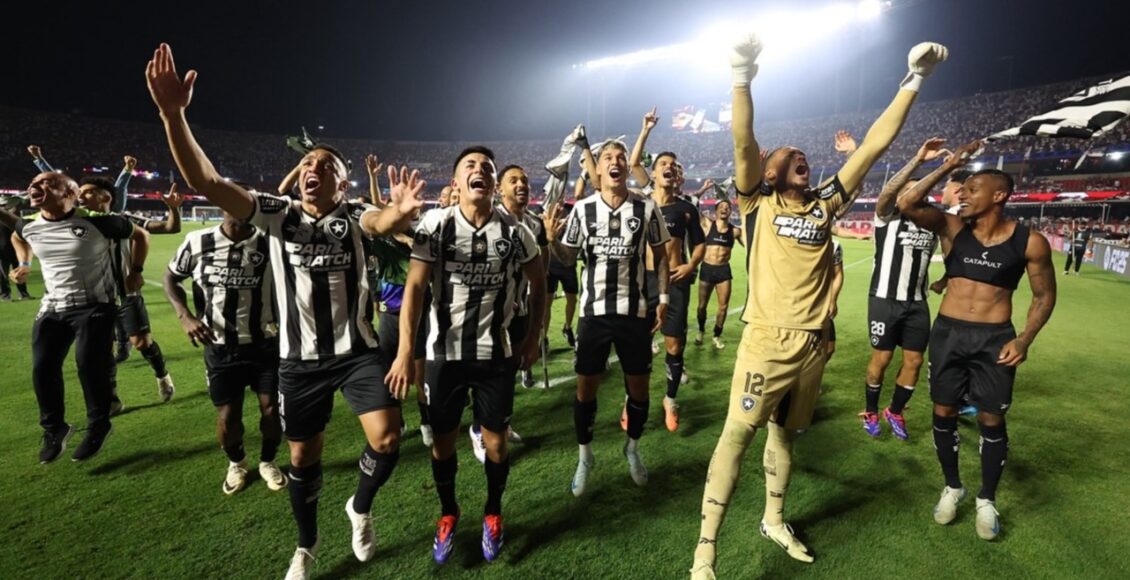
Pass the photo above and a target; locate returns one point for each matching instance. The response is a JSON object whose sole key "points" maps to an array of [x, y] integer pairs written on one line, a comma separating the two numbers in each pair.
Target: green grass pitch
{"points": [[150, 505]]}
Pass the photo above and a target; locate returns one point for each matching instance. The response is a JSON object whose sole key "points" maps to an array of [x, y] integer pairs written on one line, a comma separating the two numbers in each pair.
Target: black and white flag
{"points": [[1086, 114]]}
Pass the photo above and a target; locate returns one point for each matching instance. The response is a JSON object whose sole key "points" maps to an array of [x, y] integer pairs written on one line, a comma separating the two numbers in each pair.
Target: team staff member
{"points": [[974, 349]]}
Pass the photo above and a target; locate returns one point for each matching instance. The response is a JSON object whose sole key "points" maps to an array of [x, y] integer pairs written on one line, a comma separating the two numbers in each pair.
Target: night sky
{"points": [[479, 69]]}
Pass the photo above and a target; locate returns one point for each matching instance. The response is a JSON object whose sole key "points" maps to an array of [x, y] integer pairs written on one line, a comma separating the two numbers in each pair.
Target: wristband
{"points": [[664, 298], [25, 264], [912, 82]]}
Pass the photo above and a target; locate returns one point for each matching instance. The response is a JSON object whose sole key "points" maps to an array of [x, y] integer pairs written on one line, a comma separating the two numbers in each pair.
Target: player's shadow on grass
{"points": [[140, 461], [135, 408]]}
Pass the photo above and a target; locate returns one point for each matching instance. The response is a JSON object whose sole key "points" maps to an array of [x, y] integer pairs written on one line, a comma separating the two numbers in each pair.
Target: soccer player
{"points": [[716, 274], [326, 339], [1081, 243], [74, 249], [565, 276], [474, 256], [235, 321], [898, 315], [974, 348], [780, 360], [8, 263], [98, 194], [610, 231]]}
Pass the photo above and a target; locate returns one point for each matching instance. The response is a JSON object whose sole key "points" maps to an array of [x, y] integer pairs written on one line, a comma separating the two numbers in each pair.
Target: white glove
{"points": [[743, 59], [921, 62], [578, 136]]}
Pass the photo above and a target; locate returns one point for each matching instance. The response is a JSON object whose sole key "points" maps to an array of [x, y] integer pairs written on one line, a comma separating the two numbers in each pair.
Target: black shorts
{"points": [[134, 316], [487, 385], [230, 370], [715, 274], [306, 391], [675, 324], [963, 363], [596, 335], [564, 275], [898, 323], [388, 336]]}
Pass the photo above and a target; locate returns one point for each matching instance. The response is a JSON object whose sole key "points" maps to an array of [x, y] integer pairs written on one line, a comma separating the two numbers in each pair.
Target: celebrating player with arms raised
{"points": [[781, 357]]}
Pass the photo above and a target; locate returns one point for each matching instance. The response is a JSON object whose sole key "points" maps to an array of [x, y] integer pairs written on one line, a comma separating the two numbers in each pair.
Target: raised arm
{"points": [[921, 62], [913, 206], [635, 161], [930, 150], [288, 182], [1041, 276], [554, 224], [588, 164], [374, 166], [172, 96], [747, 153], [121, 185], [171, 225], [37, 158], [405, 201]]}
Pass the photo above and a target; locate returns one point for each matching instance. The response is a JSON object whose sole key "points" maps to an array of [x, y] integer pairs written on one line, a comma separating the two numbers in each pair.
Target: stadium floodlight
{"points": [[776, 29], [1114, 155]]}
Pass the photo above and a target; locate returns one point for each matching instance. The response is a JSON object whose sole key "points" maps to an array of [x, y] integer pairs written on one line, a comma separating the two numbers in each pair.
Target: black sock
{"points": [[584, 419], [235, 452], [702, 320], [443, 472], [23, 290], [674, 364], [946, 442], [152, 353], [375, 471], [873, 398], [496, 484], [304, 488], [717, 330], [475, 425], [637, 416], [269, 448], [994, 452], [901, 398], [425, 416]]}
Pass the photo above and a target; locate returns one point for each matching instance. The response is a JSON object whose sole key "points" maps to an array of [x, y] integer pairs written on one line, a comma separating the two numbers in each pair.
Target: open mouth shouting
{"points": [[477, 184]]}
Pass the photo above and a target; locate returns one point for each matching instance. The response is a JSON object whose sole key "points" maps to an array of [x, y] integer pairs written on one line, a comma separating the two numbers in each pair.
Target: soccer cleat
{"points": [[636, 467], [784, 537], [92, 443], [967, 411], [567, 332], [272, 475], [527, 378], [702, 570], [581, 476], [492, 537], [166, 388], [364, 539], [684, 378], [302, 561], [946, 509], [236, 478], [871, 423], [988, 521], [654, 347], [54, 444], [445, 538], [624, 415], [477, 444], [897, 423], [671, 414], [698, 338], [124, 349], [513, 436], [718, 344], [426, 435]]}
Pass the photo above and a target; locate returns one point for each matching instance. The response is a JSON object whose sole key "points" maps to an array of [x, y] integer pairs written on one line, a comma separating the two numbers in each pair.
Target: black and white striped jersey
{"points": [[902, 258], [122, 253], [321, 288], [475, 277], [612, 244], [537, 228], [232, 288], [75, 255]]}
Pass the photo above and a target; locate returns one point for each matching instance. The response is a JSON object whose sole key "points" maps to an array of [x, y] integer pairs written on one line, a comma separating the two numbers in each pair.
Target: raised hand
{"points": [[932, 149], [924, 57], [169, 92], [173, 199], [34, 150], [963, 154], [845, 143], [130, 161], [404, 189], [650, 120], [373, 164], [553, 221], [743, 59]]}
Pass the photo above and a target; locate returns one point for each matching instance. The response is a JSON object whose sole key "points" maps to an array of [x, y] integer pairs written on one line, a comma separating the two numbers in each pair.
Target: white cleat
{"points": [[272, 475], [364, 539], [236, 478], [718, 344], [946, 510], [581, 476], [685, 379], [302, 561], [988, 520], [166, 388], [784, 537], [654, 348], [635, 465], [513, 436], [426, 435], [698, 339], [477, 444], [702, 570]]}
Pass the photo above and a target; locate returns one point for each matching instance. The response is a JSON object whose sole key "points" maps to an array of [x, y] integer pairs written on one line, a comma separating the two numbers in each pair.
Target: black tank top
{"points": [[1001, 265], [717, 238]]}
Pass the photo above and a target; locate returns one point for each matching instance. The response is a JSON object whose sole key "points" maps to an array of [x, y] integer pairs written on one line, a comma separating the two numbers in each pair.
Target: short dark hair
{"points": [[336, 153], [482, 149], [665, 154], [724, 200], [1009, 184], [101, 183], [960, 175], [503, 171]]}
